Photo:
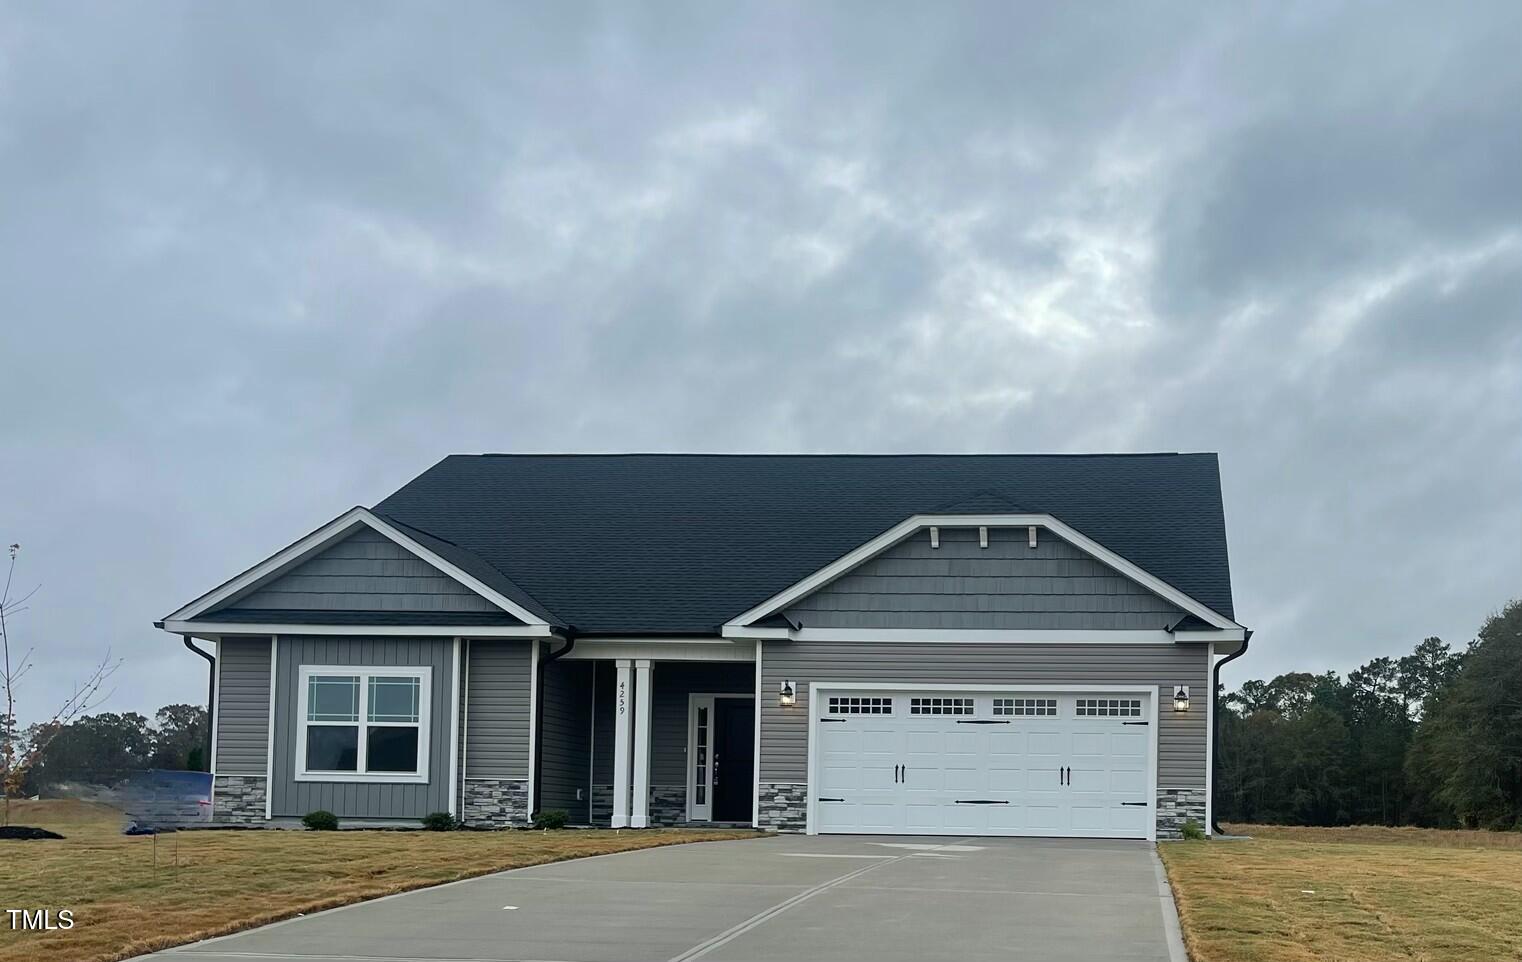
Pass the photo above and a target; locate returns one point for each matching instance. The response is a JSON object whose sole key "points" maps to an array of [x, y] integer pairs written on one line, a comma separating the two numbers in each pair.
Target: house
{"points": [[968, 645]]}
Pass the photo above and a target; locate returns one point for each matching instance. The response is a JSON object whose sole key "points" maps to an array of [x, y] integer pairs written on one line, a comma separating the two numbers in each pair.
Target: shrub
{"points": [[554, 818], [1191, 830], [440, 822], [320, 821]]}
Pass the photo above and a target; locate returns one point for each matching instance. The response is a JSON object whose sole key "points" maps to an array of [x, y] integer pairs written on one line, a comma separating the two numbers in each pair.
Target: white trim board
{"points": [[331, 533], [912, 524], [717, 649], [269, 745], [454, 732], [1150, 692]]}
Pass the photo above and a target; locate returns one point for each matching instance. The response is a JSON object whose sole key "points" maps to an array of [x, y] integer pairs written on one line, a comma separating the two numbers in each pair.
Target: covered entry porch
{"points": [[650, 734]]}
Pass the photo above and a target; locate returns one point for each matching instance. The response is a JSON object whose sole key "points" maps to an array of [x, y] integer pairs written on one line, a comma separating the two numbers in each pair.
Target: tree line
{"points": [[1432, 738], [104, 747]]}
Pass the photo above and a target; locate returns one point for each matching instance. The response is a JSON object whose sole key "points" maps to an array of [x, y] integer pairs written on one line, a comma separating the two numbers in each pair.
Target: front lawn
{"points": [[1349, 894], [207, 883]]}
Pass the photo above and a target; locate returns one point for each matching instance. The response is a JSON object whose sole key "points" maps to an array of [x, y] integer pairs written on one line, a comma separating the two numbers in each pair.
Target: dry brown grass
{"points": [[212, 883], [1384, 835], [1364, 894]]}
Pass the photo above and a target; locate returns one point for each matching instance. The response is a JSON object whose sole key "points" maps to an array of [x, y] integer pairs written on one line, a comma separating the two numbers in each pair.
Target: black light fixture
{"points": [[1181, 698], [788, 695]]}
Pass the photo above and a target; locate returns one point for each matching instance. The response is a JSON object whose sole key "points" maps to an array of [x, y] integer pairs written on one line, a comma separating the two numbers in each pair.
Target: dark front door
{"points": [[734, 757]]}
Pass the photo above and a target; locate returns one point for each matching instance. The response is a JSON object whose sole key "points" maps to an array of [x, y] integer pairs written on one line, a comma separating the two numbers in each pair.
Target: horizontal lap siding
{"points": [[566, 737], [1008, 585], [243, 706], [498, 723], [1181, 735], [358, 800], [365, 572]]}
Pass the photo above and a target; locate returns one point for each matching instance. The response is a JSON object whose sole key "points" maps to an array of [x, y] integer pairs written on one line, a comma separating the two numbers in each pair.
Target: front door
{"points": [[734, 757]]}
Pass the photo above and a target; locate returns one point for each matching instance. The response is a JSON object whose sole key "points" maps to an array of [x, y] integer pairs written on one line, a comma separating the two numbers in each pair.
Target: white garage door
{"points": [[995, 763]]}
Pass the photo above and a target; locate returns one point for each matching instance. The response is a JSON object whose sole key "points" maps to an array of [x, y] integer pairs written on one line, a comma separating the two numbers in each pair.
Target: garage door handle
{"points": [[982, 721], [1140, 804], [829, 799], [982, 801]]}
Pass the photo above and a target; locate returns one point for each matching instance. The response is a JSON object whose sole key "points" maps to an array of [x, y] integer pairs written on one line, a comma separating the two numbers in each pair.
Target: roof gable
{"points": [[361, 563], [993, 578], [363, 571]]}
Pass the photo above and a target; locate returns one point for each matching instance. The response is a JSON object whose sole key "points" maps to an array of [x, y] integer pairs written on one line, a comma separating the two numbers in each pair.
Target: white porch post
{"points": [[642, 699], [621, 720]]}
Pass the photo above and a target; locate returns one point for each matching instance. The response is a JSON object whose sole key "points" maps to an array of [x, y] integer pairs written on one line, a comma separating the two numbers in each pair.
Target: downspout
{"points": [[211, 694], [1215, 735], [569, 634]]}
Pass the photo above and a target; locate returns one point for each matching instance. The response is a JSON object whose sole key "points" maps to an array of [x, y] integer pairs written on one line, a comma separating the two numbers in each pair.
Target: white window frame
{"points": [[364, 673]]}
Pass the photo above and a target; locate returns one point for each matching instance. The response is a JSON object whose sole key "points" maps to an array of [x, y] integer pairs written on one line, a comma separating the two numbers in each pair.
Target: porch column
{"points": [[642, 699], [621, 721]]}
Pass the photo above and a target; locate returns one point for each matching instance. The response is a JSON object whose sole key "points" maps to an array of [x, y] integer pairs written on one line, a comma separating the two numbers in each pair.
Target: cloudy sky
{"points": [[258, 267]]}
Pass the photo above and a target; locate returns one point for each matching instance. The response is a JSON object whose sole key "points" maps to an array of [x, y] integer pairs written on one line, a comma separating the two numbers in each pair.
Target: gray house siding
{"points": [[1008, 585], [243, 706], [566, 738], [290, 798], [365, 572], [1181, 735], [497, 726]]}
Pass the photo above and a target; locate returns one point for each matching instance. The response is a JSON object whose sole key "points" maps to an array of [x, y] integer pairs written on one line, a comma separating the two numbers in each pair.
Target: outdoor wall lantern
{"points": [[1181, 698], [788, 695]]}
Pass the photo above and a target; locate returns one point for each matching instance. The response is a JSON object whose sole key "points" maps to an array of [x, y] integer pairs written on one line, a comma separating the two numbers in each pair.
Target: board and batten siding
{"points": [[292, 799], [364, 572], [1181, 735], [243, 706], [497, 725], [565, 737], [1007, 585]]}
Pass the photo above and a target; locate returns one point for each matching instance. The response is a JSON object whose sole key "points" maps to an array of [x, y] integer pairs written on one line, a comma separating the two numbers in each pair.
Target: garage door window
{"points": [[855, 705], [1025, 706], [1109, 707], [940, 706]]}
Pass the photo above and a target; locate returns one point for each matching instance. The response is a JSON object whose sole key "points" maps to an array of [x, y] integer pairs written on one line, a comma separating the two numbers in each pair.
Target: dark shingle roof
{"points": [[651, 543]]}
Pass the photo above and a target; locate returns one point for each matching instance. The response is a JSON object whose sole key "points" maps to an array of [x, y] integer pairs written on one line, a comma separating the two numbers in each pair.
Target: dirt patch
{"points": [[24, 833]]}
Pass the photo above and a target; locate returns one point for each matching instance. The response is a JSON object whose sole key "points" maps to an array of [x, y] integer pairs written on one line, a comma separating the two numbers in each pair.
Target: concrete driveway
{"points": [[822, 898]]}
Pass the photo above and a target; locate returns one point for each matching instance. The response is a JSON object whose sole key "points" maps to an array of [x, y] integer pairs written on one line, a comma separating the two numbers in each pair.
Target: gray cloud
{"points": [[257, 270]]}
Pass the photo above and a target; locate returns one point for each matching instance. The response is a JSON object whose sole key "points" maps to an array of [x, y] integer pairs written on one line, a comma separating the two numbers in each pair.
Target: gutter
{"points": [[211, 693], [569, 634], [1215, 715]]}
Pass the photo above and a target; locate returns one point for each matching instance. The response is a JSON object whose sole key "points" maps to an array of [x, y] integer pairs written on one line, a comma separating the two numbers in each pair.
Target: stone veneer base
{"points": [[784, 806], [238, 799], [1175, 806], [495, 802]]}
